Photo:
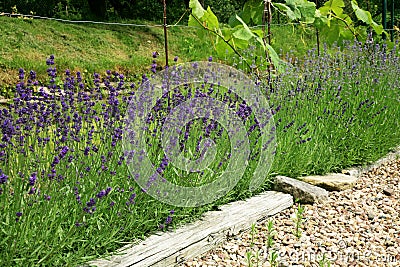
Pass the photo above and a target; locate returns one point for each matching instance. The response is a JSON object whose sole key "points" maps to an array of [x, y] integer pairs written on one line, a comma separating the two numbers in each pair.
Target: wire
{"points": [[82, 21], [120, 24]]}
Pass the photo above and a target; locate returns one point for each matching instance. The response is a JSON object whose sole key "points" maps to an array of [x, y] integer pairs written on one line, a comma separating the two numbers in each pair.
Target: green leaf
{"points": [[261, 42], [192, 22], [197, 8], [278, 63], [244, 32], [255, 8], [222, 48], [292, 15], [252, 13], [335, 6], [258, 32], [346, 18], [332, 33], [233, 22], [211, 19], [226, 33], [240, 43], [366, 17], [307, 10], [345, 34], [320, 21], [362, 15], [378, 28]]}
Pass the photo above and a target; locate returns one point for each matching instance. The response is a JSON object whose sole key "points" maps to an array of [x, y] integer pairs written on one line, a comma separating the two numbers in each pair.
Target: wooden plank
{"points": [[191, 240]]}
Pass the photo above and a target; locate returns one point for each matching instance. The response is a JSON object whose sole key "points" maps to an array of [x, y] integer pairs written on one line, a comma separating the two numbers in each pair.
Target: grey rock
{"points": [[303, 192]]}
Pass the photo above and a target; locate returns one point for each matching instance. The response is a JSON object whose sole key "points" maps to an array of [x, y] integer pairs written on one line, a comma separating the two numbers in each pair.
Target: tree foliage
{"points": [[114, 9]]}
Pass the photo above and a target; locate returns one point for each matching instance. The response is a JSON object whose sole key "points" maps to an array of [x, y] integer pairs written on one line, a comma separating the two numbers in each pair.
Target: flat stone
{"points": [[303, 192], [332, 182]]}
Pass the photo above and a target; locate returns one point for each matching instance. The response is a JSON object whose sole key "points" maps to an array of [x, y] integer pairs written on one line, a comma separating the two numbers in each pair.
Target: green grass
{"points": [[90, 47]]}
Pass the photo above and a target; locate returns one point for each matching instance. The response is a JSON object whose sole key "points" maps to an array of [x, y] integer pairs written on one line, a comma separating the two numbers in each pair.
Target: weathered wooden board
{"points": [[172, 248]]}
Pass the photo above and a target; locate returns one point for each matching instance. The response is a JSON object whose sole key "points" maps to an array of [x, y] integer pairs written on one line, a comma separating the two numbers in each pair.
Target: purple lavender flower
{"points": [[91, 202], [153, 67], [32, 179], [86, 151], [56, 160], [3, 177], [32, 75], [21, 74], [63, 151], [101, 194], [164, 163], [244, 111]]}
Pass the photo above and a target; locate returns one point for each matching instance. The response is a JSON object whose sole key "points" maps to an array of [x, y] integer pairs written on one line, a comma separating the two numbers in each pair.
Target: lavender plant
{"points": [[64, 175], [331, 110], [67, 196]]}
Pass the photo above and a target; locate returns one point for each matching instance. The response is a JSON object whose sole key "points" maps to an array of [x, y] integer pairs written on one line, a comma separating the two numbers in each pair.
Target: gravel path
{"points": [[355, 227]]}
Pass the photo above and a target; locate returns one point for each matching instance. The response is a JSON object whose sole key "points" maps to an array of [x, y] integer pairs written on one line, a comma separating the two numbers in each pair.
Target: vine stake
{"points": [[165, 33]]}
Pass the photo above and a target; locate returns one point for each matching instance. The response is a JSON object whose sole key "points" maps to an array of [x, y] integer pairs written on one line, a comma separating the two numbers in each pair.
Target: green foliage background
{"points": [[127, 9], [106, 10]]}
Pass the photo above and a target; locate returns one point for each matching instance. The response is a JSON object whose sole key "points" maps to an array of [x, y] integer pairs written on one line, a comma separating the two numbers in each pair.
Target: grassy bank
{"points": [[90, 48]]}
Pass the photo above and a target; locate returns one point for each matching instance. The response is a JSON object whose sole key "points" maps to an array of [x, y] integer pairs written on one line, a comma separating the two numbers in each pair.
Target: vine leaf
{"points": [[298, 10], [366, 17], [243, 33], [292, 14], [332, 32], [197, 8], [211, 19], [222, 47], [307, 10], [335, 6], [252, 13], [276, 61]]}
